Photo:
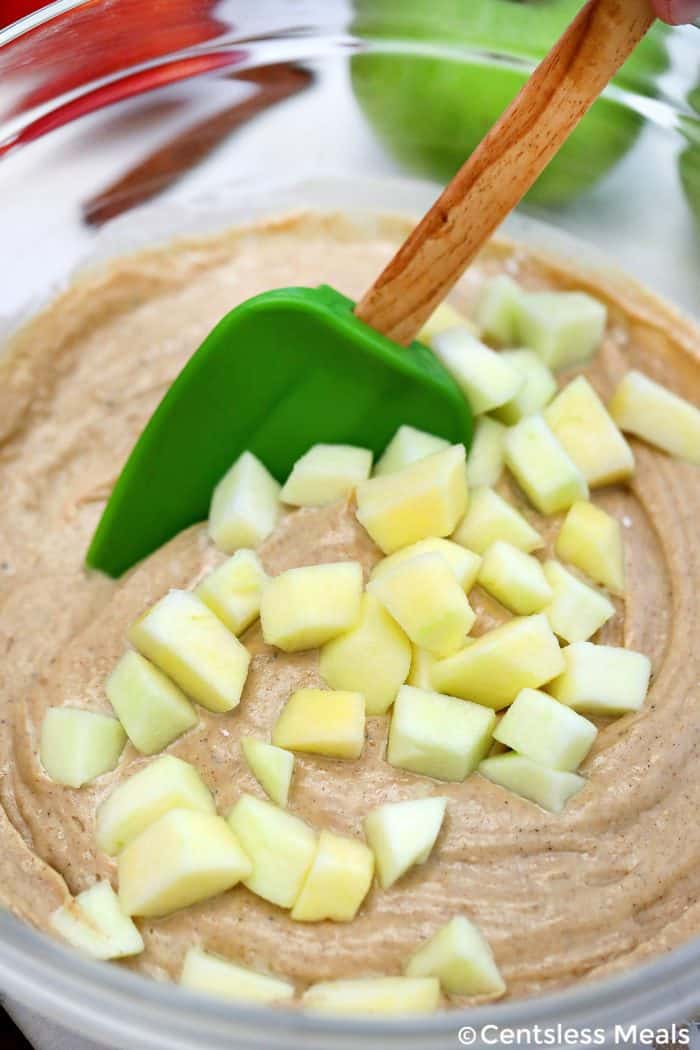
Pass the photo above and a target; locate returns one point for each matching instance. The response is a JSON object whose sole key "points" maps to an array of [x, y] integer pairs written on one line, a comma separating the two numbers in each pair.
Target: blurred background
{"points": [[107, 104]]}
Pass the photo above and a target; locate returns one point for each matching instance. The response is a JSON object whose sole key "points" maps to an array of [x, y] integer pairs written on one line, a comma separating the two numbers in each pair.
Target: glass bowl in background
{"points": [[123, 123]]}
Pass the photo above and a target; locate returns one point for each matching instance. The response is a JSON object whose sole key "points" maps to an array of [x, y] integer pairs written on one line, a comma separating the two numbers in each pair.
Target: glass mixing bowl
{"points": [[124, 123]]}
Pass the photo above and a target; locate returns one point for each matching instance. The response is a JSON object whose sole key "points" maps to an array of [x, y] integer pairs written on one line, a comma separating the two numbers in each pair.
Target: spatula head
{"points": [[282, 371]]}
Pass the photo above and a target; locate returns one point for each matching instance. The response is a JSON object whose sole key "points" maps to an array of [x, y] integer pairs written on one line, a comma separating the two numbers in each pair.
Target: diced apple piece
{"points": [[190, 644], [203, 972], [372, 658], [538, 389], [165, 784], [565, 328], [515, 579], [233, 591], [602, 679], [185, 857], [650, 411], [426, 498], [546, 731], [485, 379], [576, 611], [326, 473], [306, 607], [390, 996], [402, 834], [337, 882], [460, 957], [578, 418], [421, 669], [463, 563], [322, 722], [281, 847], [425, 599], [442, 319], [492, 670], [438, 736], [407, 446], [545, 472], [591, 540], [271, 766], [498, 310], [151, 708], [490, 518], [549, 788], [95, 924], [485, 458], [78, 745], [245, 506]]}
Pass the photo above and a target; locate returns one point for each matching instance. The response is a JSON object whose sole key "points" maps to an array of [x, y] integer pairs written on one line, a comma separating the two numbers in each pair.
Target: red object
{"points": [[12, 10]]}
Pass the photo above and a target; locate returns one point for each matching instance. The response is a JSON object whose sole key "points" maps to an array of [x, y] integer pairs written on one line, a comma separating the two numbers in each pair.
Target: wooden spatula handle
{"points": [[504, 167]]}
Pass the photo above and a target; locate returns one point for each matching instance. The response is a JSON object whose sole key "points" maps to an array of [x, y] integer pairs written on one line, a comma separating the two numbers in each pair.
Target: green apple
{"points": [[271, 766], [432, 110], [95, 924], [77, 745], [337, 882], [305, 607], [402, 834], [460, 957]]}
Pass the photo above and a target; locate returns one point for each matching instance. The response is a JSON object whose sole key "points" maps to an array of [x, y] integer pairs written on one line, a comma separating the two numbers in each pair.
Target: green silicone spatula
{"points": [[297, 366]]}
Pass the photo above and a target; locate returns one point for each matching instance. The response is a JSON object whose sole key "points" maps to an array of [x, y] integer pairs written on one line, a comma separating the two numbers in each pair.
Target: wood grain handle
{"points": [[504, 166]]}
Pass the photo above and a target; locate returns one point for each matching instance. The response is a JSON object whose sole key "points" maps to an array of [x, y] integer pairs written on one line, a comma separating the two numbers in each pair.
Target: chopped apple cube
{"points": [[326, 473], [151, 708], [407, 446], [463, 563], [281, 847], [372, 658], [485, 458], [602, 679], [245, 506], [190, 644], [538, 389], [578, 418], [421, 669], [322, 722], [546, 731], [576, 610], [306, 607], [425, 599], [647, 409], [203, 972], [402, 834], [545, 472], [438, 736], [498, 310], [165, 784], [426, 498], [390, 996], [515, 579], [337, 882], [549, 788], [591, 540], [492, 670], [95, 924], [565, 328], [185, 857], [490, 518], [442, 319], [485, 379], [271, 766], [78, 745], [460, 957], [233, 591]]}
